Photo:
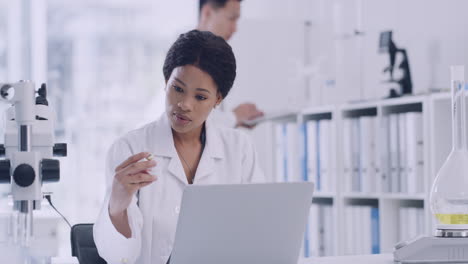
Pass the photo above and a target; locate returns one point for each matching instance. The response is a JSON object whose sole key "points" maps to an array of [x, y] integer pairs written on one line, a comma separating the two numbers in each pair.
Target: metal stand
{"points": [[447, 246]]}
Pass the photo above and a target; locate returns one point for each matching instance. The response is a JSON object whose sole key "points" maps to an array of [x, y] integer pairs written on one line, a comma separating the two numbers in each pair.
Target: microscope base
{"points": [[432, 250]]}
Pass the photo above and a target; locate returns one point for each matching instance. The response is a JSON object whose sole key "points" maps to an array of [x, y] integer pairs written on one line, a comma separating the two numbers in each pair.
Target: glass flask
{"points": [[449, 193]]}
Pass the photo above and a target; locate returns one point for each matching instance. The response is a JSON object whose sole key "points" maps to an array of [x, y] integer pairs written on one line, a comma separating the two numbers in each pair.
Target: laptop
{"points": [[242, 223]]}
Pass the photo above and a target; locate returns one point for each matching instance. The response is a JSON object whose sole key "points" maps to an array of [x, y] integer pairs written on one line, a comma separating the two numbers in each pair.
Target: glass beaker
{"points": [[449, 193]]}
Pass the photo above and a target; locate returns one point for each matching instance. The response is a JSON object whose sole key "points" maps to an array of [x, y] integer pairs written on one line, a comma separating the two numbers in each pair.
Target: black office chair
{"points": [[82, 245]]}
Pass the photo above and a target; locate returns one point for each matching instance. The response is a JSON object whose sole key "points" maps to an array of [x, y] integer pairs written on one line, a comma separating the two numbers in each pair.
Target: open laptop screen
{"points": [[242, 223]]}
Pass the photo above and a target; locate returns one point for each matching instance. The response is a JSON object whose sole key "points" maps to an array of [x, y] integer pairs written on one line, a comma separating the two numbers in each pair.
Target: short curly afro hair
{"points": [[206, 51]]}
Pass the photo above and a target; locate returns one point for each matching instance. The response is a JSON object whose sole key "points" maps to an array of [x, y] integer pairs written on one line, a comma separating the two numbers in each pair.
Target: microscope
{"points": [[405, 85], [28, 150]]}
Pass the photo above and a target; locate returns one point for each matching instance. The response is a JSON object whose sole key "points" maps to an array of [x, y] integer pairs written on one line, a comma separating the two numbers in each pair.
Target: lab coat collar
{"points": [[162, 138], [214, 144], [213, 150]]}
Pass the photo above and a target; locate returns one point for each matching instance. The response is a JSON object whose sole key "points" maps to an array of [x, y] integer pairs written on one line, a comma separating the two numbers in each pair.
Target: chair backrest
{"points": [[82, 245]]}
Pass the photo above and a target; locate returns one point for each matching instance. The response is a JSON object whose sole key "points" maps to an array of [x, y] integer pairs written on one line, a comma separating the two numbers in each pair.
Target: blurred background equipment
{"points": [[405, 85]]}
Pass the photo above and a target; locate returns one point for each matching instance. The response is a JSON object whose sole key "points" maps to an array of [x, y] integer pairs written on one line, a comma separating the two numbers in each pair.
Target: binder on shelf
{"points": [[402, 224], [292, 154], [375, 161], [415, 156], [347, 155], [394, 154], [280, 152], [421, 230], [324, 154], [411, 222], [367, 159], [355, 150], [402, 151], [312, 151], [385, 163], [320, 232], [329, 230], [304, 152], [360, 154], [364, 234], [318, 176], [350, 235], [356, 230], [313, 234], [288, 165], [404, 148], [364, 137], [375, 226]]}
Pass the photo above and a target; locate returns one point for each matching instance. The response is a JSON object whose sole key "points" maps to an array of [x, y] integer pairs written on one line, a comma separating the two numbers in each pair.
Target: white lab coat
{"points": [[223, 118], [229, 157]]}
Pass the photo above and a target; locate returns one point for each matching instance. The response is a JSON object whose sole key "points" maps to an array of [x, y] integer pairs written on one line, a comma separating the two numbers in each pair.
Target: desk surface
{"points": [[362, 259], [64, 260]]}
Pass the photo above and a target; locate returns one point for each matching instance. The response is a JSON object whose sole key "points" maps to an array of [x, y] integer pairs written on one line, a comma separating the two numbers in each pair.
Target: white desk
{"points": [[64, 260], [362, 259]]}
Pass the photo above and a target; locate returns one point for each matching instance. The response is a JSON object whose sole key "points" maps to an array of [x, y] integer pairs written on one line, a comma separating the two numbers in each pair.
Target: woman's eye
{"points": [[178, 89], [200, 97]]}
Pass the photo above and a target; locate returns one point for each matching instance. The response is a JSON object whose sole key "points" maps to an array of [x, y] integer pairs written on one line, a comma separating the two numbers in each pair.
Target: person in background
{"points": [[220, 17]]}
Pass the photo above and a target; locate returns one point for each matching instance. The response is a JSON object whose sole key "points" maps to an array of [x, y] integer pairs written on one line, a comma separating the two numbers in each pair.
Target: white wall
{"points": [[267, 63], [270, 45], [270, 50], [432, 31]]}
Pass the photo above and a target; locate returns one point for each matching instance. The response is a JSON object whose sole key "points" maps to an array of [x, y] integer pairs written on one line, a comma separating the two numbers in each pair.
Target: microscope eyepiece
{"points": [[41, 99], [7, 91], [24, 175]]}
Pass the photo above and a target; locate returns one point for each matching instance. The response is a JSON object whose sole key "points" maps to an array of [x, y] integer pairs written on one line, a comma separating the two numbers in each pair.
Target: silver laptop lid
{"points": [[242, 223]]}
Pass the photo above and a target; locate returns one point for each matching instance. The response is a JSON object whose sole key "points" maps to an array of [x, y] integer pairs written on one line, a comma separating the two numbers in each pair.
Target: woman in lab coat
{"points": [[187, 147]]}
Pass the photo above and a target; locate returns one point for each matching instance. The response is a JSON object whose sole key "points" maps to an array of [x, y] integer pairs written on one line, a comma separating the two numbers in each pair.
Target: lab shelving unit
{"points": [[322, 198], [436, 135]]}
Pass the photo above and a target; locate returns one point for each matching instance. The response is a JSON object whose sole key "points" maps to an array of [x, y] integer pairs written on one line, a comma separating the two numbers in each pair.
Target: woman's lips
{"points": [[181, 119]]}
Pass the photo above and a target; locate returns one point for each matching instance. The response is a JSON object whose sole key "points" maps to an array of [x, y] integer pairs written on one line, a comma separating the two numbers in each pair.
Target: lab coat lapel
{"points": [[164, 146], [176, 169], [212, 152], [205, 167]]}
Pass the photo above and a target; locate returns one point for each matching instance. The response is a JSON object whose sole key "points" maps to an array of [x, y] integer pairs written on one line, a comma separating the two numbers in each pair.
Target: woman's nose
{"points": [[185, 105]]}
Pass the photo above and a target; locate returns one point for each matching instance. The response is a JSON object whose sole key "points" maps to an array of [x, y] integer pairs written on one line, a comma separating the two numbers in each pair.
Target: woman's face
{"points": [[191, 94]]}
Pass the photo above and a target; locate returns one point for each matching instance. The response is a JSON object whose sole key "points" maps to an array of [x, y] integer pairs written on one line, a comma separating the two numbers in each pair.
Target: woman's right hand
{"points": [[130, 176]]}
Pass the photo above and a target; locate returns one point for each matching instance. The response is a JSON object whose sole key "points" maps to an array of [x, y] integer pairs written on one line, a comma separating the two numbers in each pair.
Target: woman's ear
{"points": [[219, 99]]}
